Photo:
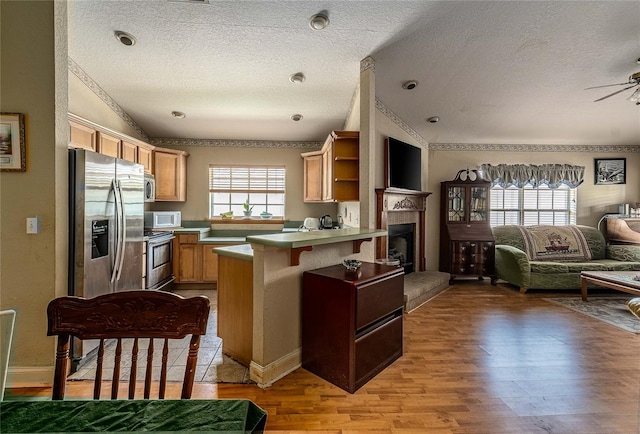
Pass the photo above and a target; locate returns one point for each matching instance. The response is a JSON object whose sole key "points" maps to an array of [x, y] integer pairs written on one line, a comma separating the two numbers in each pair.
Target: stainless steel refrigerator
{"points": [[106, 217]]}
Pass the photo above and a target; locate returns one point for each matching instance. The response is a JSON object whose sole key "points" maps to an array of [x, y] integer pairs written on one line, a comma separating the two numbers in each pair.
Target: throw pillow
{"points": [[555, 243], [634, 306]]}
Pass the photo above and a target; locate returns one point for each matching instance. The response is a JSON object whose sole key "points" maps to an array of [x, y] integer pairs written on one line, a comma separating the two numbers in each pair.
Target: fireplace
{"points": [[397, 211], [401, 245]]}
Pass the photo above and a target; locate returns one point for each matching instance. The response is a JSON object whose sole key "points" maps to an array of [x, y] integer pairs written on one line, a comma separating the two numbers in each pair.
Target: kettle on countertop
{"points": [[326, 222]]}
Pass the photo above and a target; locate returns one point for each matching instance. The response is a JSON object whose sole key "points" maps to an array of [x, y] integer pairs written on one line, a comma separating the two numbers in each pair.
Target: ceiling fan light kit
{"points": [[634, 81]]}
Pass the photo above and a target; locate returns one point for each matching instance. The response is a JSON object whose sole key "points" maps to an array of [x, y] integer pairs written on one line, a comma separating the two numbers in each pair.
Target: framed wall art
{"points": [[12, 142], [610, 171]]}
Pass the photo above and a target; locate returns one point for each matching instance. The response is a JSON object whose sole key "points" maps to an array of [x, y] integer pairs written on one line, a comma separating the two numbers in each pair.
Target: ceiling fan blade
{"points": [[615, 93], [606, 85]]}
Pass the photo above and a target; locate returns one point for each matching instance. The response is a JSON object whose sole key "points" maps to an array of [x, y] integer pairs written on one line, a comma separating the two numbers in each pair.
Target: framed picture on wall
{"points": [[610, 171], [12, 142]]}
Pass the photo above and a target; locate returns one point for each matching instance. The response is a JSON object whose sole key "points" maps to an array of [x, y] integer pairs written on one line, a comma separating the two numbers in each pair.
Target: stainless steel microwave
{"points": [[149, 188], [162, 219]]}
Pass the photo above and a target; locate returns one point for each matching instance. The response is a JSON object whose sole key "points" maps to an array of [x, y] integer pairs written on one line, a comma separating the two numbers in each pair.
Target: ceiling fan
{"points": [[634, 81]]}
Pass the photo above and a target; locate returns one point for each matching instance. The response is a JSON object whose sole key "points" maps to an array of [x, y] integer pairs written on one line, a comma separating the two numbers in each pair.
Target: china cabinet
{"points": [[466, 240]]}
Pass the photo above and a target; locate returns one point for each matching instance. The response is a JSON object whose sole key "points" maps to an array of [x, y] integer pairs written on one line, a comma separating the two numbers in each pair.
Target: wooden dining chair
{"points": [[132, 315]]}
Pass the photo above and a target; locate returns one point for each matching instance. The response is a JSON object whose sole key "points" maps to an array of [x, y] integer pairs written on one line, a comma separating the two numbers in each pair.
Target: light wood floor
{"points": [[477, 359]]}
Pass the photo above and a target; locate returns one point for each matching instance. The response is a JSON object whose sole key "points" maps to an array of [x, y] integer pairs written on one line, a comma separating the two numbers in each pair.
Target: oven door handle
{"points": [[153, 242]]}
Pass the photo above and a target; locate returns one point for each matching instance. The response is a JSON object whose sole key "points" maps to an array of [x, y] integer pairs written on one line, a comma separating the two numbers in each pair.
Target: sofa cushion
{"points": [[548, 267], [613, 265], [577, 267], [555, 243]]}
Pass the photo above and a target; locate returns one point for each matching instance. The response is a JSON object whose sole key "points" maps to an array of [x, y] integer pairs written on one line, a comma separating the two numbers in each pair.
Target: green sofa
{"points": [[515, 266]]}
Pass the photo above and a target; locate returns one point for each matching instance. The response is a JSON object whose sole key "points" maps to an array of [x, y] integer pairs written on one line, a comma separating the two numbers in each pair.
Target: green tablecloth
{"points": [[219, 415]]}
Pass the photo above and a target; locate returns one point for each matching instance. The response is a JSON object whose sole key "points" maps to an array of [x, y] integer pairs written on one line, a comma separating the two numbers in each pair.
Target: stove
{"points": [[159, 247], [158, 236]]}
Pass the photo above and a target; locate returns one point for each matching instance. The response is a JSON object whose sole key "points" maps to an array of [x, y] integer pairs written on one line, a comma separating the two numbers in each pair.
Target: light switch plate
{"points": [[33, 225]]}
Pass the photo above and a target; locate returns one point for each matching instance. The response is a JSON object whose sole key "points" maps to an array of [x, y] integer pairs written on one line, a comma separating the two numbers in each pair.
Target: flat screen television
{"points": [[403, 165]]}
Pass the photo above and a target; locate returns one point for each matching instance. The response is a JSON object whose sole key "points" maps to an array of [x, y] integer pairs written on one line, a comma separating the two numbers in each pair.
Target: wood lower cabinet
{"points": [[351, 326], [170, 171], [194, 262], [235, 308]]}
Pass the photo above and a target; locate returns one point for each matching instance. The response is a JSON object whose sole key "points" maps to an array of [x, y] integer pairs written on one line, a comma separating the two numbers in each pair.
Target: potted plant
{"points": [[247, 208], [265, 215]]}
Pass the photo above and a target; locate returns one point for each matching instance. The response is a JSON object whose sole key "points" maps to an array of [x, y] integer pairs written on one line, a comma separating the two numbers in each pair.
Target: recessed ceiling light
{"points": [[125, 38], [410, 85], [178, 115], [433, 119], [319, 21], [296, 117], [298, 77]]}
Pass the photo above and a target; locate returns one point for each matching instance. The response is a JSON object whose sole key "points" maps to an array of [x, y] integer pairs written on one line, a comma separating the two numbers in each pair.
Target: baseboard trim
{"points": [[40, 376], [265, 376]]}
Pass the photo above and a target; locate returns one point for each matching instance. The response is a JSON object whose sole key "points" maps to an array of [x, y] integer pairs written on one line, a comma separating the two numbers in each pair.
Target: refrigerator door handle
{"points": [[123, 227], [117, 214]]}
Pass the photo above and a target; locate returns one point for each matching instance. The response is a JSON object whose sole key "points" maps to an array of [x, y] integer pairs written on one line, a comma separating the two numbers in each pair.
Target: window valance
{"points": [[553, 175]]}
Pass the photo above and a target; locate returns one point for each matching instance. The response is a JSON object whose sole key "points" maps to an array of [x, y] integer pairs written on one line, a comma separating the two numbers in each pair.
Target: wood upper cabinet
{"points": [[145, 157], [108, 144], [129, 151], [313, 176], [332, 174], [170, 170], [82, 136]]}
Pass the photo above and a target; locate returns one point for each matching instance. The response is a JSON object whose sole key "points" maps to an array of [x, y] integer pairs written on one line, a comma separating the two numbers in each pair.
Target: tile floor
{"points": [[212, 366]]}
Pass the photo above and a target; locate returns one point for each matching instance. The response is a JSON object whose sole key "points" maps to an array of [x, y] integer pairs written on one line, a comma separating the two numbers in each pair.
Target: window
{"points": [[533, 205], [231, 186]]}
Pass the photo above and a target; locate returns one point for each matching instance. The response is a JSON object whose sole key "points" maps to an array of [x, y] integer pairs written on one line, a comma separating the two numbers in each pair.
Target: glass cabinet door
{"points": [[478, 205], [457, 208]]}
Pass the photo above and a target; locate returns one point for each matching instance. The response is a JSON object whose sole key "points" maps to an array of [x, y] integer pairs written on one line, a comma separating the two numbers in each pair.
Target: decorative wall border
{"points": [[216, 143], [104, 96], [621, 149], [402, 124], [368, 63]]}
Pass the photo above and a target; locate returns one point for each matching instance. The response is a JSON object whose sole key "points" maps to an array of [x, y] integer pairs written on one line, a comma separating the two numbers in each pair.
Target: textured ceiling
{"points": [[494, 72]]}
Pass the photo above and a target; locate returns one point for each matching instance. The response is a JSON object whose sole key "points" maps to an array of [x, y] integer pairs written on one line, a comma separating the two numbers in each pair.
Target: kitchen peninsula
{"points": [[260, 293]]}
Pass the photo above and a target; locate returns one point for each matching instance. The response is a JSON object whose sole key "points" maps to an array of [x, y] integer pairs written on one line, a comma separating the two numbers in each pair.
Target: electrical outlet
{"points": [[33, 225]]}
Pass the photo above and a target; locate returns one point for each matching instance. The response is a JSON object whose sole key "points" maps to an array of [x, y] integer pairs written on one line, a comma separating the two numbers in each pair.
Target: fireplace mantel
{"points": [[396, 206]]}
